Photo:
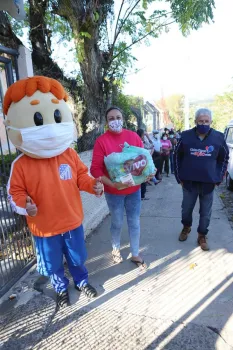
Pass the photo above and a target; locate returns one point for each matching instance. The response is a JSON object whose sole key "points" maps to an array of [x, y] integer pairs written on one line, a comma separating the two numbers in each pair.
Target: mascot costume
{"points": [[46, 180]]}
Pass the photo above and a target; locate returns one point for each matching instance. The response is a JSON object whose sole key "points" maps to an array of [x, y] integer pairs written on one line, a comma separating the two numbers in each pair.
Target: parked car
{"points": [[229, 140]]}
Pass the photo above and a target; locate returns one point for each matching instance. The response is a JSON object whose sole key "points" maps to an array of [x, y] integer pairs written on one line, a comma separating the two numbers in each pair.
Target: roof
{"points": [[151, 107]]}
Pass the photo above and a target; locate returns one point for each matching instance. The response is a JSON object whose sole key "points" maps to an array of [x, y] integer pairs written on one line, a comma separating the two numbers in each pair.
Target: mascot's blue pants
{"points": [[50, 251]]}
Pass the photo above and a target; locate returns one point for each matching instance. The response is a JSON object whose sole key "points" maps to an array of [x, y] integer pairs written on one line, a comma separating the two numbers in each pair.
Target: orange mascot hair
{"points": [[28, 86]]}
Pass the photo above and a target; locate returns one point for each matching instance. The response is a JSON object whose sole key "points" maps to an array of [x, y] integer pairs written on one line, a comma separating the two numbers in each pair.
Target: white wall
{"points": [[95, 209]]}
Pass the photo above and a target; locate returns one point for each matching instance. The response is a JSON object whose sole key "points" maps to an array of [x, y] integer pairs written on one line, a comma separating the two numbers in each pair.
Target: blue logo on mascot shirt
{"points": [[65, 172], [202, 152]]}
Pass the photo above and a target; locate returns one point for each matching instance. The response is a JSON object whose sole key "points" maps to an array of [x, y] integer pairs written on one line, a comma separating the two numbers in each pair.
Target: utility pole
{"points": [[186, 95], [186, 111]]}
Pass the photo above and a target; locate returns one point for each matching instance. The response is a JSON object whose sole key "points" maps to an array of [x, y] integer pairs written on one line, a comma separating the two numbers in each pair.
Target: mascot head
{"points": [[39, 121]]}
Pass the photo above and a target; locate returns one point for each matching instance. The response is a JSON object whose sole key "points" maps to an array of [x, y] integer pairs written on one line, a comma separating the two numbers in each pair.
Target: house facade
{"points": [[153, 117]]}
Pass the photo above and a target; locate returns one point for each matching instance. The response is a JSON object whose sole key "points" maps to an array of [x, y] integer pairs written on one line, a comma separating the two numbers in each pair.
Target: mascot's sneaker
{"points": [[88, 290], [63, 300]]}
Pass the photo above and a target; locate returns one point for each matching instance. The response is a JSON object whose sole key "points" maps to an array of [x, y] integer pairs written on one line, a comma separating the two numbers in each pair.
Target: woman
{"points": [[119, 196], [148, 144], [157, 153], [173, 140], [166, 148]]}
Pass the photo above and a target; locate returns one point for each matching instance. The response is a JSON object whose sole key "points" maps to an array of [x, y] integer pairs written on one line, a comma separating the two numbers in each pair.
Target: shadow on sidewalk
{"points": [[127, 289]]}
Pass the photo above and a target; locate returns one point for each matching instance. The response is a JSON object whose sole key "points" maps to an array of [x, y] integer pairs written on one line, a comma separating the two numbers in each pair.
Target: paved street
{"points": [[184, 301]]}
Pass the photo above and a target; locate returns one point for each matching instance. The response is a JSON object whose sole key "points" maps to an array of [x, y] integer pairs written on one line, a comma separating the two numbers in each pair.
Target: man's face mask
{"points": [[203, 129]]}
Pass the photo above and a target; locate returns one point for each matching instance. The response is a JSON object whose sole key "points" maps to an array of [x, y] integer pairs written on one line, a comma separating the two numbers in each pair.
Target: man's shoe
{"points": [[202, 242], [63, 300], [184, 233]]}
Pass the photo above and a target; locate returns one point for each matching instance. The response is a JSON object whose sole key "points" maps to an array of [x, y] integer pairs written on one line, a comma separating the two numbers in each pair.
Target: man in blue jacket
{"points": [[200, 161]]}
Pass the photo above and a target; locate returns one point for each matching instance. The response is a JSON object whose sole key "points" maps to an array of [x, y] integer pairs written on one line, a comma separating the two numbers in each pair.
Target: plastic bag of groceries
{"points": [[132, 163]]}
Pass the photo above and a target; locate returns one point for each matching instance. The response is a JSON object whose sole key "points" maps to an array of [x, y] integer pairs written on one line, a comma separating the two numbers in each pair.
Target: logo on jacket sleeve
{"points": [[202, 152], [65, 172]]}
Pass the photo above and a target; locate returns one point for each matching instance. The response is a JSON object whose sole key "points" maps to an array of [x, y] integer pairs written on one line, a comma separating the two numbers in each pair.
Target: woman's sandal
{"points": [[141, 264], [116, 255], [88, 290]]}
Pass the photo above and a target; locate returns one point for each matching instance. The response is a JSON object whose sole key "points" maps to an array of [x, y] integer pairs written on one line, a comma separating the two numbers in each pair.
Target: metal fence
{"points": [[16, 244]]}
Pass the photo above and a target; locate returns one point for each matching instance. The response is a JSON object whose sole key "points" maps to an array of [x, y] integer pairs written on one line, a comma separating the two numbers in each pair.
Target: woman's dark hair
{"points": [[140, 132], [171, 132], [111, 109], [163, 134]]}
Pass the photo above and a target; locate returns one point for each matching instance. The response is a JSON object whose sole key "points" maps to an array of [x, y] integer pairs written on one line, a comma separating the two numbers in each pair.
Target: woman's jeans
{"points": [[188, 204], [132, 205]]}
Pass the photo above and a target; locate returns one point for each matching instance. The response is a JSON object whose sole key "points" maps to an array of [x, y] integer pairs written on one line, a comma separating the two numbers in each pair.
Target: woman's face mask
{"points": [[116, 125], [171, 136], [165, 138]]}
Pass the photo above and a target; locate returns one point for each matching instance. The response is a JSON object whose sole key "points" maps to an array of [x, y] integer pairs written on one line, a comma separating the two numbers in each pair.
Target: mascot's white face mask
{"points": [[46, 141]]}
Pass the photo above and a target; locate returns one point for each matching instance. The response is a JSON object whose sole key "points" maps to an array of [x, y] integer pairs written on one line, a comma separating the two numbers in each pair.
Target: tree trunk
{"points": [[7, 36], [86, 31], [40, 37]]}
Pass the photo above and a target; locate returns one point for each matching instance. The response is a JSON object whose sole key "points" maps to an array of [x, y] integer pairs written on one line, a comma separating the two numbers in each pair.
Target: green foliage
{"points": [[190, 14], [175, 107], [5, 167], [222, 108], [137, 22], [125, 102], [96, 28]]}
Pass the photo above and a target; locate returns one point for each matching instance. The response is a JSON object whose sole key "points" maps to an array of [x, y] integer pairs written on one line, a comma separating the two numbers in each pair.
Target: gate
{"points": [[16, 245]]}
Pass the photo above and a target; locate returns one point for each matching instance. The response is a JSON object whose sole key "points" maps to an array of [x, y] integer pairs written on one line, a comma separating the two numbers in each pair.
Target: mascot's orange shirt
{"points": [[54, 185]]}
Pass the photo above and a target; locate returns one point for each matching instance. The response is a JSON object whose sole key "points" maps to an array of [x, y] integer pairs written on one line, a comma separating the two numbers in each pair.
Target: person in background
{"points": [[173, 140], [148, 144], [200, 158], [178, 134], [157, 153], [119, 196], [166, 149]]}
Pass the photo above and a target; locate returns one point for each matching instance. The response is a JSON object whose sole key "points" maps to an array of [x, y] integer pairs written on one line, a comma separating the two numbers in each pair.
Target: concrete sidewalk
{"points": [[184, 301]]}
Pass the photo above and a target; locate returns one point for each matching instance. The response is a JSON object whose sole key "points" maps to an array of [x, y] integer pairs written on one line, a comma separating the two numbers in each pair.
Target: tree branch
{"points": [[140, 39], [123, 22], [118, 17]]}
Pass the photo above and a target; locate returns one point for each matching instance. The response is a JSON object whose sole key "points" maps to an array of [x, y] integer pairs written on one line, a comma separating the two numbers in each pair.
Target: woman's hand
{"points": [[98, 187], [123, 186]]}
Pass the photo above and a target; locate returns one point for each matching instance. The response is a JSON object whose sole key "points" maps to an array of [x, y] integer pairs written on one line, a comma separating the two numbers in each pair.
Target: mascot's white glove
{"points": [[31, 207]]}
